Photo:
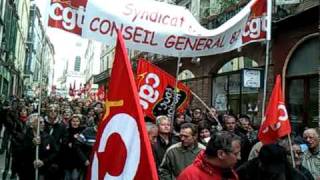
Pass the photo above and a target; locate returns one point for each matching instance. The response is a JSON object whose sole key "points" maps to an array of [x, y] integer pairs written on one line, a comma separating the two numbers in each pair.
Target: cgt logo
{"points": [[282, 118], [256, 26], [105, 168], [67, 15]]}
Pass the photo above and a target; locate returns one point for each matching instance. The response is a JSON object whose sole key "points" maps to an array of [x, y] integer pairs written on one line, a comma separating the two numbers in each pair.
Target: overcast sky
{"points": [[64, 42]]}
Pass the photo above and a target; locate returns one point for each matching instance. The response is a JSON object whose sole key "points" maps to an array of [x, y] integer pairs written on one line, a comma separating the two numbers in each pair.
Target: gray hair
{"points": [[312, 131], [150, 126], [33, 117], [160, 118]]}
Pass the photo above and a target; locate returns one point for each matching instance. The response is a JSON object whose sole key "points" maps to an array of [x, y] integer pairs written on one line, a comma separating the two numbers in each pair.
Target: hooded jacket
{"points": [[201, 169]]}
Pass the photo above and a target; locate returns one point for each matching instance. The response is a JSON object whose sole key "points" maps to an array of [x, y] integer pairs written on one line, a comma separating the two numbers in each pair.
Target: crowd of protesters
{"points": [[195, 145]]}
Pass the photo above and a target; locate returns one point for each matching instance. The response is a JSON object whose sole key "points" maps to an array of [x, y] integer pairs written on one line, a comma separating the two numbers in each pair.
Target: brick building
{"points": [[294, 54]]}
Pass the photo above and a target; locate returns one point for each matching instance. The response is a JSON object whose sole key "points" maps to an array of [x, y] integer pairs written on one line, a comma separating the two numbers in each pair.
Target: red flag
{"points": [[258, 14], [62, 10], [276, 122], [74, 88], [156, 89], [101, 93], [80, 90], [122, 149], [70, 91]]}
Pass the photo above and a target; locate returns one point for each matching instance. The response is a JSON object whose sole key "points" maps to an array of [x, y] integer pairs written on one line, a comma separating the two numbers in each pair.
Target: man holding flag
{"points": [[122, 149]]}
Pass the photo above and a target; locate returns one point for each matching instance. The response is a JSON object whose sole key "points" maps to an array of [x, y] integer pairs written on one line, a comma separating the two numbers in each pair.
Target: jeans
{"points": [[72, 174]]}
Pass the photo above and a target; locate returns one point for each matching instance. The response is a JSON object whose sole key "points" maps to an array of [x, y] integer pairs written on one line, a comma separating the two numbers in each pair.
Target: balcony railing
{"points": [[283, 11], [215, 20], [279, 12]]}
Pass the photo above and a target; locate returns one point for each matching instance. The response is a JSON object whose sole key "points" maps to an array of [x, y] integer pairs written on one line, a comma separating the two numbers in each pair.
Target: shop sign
{"points": [[251, 78], [282, 2]]}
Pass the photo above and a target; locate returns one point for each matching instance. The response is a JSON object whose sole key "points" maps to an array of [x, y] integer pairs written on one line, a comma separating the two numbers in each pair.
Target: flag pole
{"points": [[43, 41], [207, 107], [175, 91], [291, 151], [268, 41], [39, 106], [265, 78]]}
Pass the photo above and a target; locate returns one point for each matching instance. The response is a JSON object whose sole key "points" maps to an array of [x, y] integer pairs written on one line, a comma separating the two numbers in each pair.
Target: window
{"points": [[302, 86], [237, 64], [186, 74], [228, 94], [77, 64]]}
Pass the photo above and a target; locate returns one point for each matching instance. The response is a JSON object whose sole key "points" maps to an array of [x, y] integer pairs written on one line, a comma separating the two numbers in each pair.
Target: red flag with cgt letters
{"points": [[156, 89], [122, 149]]}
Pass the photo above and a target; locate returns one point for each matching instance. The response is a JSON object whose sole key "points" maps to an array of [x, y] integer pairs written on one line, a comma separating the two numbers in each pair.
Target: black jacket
{"points": [[70, 158], [252, 170], [160, 147], [85, 142]]}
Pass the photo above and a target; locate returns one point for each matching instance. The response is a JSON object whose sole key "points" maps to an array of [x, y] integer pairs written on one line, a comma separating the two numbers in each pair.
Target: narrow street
{"points": [[2, 160], [2, 156], [159, 89]]}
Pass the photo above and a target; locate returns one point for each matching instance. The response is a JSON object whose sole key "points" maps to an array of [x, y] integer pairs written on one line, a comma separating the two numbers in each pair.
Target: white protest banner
{"points": [[158, 27]]}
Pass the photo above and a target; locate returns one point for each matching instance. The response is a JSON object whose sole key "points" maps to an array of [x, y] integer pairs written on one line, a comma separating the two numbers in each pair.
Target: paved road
{"points": [[1, 156], [2, 163]]}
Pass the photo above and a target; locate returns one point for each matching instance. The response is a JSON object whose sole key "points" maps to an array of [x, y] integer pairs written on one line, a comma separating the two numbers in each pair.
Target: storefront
{"points": [[236, 86], [302, 82]]}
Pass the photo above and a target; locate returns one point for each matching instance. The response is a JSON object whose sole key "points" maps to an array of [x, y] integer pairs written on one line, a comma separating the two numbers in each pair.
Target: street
{"points": [[2, 161], [161, 89]]}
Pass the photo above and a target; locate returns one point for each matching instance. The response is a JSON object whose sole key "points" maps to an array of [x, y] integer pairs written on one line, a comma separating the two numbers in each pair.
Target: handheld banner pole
{"points": [[291, 151], [219, 127], [268, 40], [39, 106], [175, 91], [265, 78], [38, 127]]}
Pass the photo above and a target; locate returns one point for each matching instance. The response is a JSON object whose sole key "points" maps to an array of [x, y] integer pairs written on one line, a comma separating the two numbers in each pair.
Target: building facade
{"points": [[92, 61], [23, 10], [48, 67], [74, 69], [218, 79], [36, 52], [8, 47]]}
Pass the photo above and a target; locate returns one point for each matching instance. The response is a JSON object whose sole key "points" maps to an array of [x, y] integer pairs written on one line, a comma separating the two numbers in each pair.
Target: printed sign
{"points": [[158, 27]]}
